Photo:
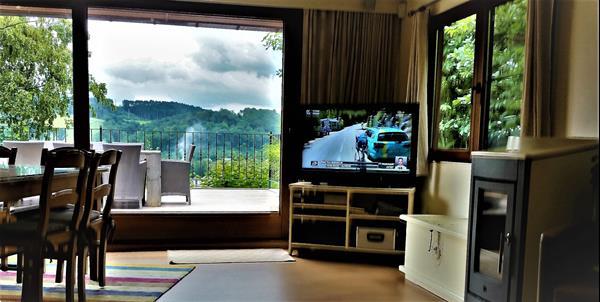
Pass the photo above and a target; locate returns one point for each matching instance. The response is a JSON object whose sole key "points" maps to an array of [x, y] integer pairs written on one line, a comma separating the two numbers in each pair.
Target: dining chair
{"points": [[131, 179], [41, 237], [9, 154], [97, 225], [5, 251]]}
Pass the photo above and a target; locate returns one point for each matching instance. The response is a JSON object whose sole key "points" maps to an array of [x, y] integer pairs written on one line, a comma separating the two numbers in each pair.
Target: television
{"points": [[368, 146]]}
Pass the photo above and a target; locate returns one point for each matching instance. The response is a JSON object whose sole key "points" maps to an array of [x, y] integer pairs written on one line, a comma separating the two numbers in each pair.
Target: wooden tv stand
{"points": [[326, 217]]}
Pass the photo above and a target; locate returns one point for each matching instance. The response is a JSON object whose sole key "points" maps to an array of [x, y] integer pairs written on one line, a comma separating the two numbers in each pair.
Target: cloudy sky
{"points": [[206, 67]]}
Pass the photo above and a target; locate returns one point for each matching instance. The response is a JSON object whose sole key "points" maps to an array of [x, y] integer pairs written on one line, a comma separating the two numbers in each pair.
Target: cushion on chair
{"points": [[56, 215], [26, 230]]}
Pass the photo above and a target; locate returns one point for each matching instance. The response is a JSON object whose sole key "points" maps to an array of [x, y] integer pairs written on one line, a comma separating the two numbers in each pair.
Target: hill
{"points": [[155, 115]]}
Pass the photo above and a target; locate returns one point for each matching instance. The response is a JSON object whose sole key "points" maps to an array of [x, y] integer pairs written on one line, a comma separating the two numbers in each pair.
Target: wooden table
{"points": [[19, 181]]}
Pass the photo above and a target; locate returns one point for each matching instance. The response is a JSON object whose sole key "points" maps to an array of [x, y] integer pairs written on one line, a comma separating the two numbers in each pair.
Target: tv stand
{"points": [[351, 219]]}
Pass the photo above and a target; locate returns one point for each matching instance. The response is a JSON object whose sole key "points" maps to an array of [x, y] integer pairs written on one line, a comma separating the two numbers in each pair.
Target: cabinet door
{"points": [[490, 239]]}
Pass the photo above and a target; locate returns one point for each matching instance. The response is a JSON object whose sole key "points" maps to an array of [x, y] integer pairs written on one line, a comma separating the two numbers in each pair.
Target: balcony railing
{"points": [[221, 159]]}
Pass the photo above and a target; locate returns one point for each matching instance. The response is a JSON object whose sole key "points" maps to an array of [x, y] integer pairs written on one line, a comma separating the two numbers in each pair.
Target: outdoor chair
{"points": [[130, 184], [28, 152], [175, 176]]}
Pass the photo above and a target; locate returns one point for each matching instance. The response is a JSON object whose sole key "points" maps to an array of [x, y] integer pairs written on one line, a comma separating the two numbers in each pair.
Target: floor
{"points": [[304, 280], [216, 201]]}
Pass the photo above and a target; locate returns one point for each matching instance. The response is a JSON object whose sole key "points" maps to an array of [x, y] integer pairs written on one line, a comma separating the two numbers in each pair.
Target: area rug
{"points": [[229, 256], [123, 283]]}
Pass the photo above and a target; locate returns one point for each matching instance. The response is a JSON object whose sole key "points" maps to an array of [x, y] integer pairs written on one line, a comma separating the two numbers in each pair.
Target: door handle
{"points": [[503, 240], [477, 88]]}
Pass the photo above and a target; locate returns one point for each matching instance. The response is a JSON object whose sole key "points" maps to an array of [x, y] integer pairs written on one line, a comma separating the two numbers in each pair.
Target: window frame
{"points": [[481, 85]]}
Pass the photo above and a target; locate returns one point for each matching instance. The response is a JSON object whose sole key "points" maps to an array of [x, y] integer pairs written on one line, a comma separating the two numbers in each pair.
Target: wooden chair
{"points": [[99, 226], [10, 154], [39, 236], [5, 251]]}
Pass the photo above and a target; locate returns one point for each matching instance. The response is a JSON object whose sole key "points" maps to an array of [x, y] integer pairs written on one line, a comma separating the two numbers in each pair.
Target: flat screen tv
{"points": [[368, 146]]}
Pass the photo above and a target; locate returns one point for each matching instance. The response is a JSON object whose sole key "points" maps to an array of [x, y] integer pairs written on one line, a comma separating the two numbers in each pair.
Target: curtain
{"points": [[536, 114], [350, 58], [416, 80]]}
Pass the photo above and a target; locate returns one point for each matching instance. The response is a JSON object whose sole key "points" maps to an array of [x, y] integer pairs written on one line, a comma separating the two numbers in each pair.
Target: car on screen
{"points": [[384, 144]]}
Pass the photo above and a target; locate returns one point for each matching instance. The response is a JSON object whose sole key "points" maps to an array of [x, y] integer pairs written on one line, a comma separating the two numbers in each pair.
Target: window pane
{"points": [[456, 80], [35, 79], [507, 72]]}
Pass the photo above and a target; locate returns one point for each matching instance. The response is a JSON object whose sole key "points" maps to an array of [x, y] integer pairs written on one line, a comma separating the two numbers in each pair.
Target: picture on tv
{"points": [[368, 140]]}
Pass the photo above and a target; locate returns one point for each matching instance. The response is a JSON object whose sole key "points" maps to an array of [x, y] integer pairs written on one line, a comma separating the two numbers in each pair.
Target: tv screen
{"points": [[377, 140]]}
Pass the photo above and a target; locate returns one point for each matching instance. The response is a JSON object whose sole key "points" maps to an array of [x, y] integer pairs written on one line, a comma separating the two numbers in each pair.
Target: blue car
{"points": [[384, 144]]}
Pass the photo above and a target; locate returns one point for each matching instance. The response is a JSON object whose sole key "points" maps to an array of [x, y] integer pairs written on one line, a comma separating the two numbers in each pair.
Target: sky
{"points": [[207, 67]]}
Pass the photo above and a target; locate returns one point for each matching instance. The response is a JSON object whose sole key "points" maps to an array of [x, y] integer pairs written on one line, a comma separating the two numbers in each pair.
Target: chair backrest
{"points": [[191, 152], [128, 168], [10, 154], [96, 191], [28, 152], [56, 145], [66, 191]]}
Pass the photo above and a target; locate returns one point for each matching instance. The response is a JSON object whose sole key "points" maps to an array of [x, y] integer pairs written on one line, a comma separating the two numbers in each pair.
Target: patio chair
{"points": [[130, 185], [28, 152], [175, 176]]}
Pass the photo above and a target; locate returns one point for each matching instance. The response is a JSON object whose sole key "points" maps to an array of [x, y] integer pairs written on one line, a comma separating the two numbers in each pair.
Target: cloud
{"points": [[210, 68], [227, 56], [142, 72]]}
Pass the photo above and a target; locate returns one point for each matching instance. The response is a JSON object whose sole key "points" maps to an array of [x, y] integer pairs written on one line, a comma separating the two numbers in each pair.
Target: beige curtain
{"points": [[536, 110], [350, 58], [416, 79]]}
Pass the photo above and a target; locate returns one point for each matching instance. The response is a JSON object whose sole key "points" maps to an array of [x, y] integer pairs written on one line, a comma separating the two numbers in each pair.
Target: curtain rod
{"points": [[422, 7]]}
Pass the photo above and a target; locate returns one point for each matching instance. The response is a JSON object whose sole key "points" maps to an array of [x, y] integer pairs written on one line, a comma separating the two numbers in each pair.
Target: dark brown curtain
{"points": [[536, 111], [350, 58]]}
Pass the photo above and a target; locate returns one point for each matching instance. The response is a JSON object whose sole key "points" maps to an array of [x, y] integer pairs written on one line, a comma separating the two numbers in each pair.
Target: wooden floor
{"points": [[303, 280], [215, 201]]}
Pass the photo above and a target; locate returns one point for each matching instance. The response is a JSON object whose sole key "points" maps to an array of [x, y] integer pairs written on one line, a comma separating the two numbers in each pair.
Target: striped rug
{"points": [[123, 283]]}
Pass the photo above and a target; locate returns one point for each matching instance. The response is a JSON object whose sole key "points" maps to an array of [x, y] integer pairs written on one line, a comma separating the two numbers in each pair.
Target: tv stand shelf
{"points": [[325, 208]]}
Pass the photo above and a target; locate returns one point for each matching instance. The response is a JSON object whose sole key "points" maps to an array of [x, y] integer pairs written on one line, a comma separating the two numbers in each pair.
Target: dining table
{"points": [[21, 181]]}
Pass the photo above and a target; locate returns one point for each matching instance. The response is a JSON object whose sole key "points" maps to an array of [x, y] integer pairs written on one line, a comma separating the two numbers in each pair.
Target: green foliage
{"points": [[457, 78], [274, 41], [507, 72], [35, 74], [506, 77], [241, 172], [178, 117]]}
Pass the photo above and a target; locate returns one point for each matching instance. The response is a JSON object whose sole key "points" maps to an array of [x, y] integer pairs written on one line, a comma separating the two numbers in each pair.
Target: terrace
{"points": [[230, 172]]}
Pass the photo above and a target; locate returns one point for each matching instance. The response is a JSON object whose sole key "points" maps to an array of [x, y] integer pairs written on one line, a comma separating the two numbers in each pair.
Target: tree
{"points": [[274, 42], [35, 74], [506, 80]]}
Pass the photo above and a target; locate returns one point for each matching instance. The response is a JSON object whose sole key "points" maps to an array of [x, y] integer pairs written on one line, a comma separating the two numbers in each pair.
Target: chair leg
{"points": [[59, 271], [102, 257], [32, 290], [81, 260], [71, 263], [93, 255], [20, 265]]}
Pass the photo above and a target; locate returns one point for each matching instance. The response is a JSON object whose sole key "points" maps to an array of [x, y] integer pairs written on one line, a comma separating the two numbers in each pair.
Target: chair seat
{"points": [[56, 215], [24, 230]]}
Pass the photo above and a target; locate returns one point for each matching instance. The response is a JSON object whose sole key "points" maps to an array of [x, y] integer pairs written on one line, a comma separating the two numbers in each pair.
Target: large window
{"points": [[476, 76]]}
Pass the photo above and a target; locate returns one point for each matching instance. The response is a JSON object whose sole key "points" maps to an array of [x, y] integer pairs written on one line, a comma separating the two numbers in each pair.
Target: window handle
{"points": [[477, 88]]}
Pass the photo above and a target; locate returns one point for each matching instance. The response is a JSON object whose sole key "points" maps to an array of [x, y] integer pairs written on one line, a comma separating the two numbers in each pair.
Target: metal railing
{"points": [[221, 159]]}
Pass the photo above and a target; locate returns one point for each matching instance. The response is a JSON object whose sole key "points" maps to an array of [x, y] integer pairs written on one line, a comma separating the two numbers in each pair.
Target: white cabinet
{"points": [[436, 254]]}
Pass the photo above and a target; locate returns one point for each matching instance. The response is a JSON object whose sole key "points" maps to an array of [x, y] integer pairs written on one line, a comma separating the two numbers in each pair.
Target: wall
{"points": [[576, 68], [380, 6], [447, 188]]}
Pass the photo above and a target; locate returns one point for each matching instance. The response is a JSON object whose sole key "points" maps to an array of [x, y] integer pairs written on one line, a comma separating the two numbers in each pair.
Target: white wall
{"points": [[446, 190], [576, 68]]}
